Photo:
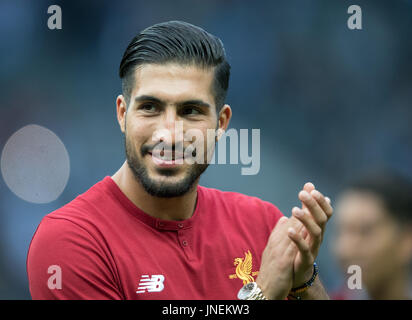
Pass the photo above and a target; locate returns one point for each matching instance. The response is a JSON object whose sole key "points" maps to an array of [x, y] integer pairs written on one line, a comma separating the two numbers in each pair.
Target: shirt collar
{"points": [[161, 224]]}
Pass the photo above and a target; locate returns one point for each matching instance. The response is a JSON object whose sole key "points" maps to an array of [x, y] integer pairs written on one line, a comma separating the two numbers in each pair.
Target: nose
{"points": [[169, 129], [347, 247]]}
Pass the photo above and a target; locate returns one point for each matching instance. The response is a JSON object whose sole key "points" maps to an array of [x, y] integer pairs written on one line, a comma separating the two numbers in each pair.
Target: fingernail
{"points": [[315, 194], [282, 219], [291, 231], [310, 185], [305, 195], [299, 213]]}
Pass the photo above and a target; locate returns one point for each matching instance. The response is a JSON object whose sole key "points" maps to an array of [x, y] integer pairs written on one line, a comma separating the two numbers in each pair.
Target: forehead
{"points": [[174, 82], [358, 207]]}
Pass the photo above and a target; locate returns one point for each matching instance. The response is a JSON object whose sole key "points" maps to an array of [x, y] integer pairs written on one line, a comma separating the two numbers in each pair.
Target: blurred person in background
{"points": [[374, 232]]}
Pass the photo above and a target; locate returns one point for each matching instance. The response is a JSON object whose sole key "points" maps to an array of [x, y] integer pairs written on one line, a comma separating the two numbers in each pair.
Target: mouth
{"points": [[167, 159]]}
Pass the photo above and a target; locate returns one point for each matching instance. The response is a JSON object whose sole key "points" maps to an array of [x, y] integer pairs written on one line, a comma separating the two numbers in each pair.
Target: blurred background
{"points": [[330, 102]]}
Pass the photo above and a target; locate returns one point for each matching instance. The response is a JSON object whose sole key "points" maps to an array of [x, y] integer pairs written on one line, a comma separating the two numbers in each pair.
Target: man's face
{"points": [[368, 237], [166, 96]]}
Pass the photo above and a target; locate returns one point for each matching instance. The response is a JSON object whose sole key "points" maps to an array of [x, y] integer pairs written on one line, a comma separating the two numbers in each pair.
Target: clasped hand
{"points": [[293, 245]]}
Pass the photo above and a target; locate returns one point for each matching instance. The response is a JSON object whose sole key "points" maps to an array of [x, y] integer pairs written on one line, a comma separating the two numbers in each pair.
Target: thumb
{"points": [[282, 220], [278, 227]]}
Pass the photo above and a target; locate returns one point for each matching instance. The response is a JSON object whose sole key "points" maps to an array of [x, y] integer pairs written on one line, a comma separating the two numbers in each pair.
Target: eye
{"points": [[191, 110], [148, 107]]}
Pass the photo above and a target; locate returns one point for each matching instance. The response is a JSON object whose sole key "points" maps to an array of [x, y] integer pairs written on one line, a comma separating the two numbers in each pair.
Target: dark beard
{"points": [[161, 189]]}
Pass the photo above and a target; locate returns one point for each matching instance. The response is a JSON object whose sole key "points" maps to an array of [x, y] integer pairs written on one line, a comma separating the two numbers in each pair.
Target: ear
{"points": [[225, 115], [121, 109]]}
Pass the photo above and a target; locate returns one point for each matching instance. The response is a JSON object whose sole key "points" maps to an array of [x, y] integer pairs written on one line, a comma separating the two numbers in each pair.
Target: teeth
{"points": [[169, 157]]}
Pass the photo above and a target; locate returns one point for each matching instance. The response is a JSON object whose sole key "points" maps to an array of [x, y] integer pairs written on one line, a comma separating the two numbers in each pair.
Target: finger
{"points": [[282, 220], [309, 186], [304, 233], [280, 227], [312, 205], [287, 223], [323, 202], [312, 228], [291, 249], [295, 223], [301, 244]]}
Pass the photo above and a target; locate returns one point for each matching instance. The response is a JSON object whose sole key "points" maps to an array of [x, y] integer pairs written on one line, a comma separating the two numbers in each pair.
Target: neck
{"points": [[395, 288], [178, 208]]}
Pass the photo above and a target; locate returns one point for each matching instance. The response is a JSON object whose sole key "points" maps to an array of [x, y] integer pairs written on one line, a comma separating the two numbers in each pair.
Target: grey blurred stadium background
{"points": [[330, 102]]}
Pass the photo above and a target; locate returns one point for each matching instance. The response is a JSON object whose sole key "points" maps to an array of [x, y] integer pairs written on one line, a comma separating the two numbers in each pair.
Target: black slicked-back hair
{"points": [[393, 188], [176, 42]]}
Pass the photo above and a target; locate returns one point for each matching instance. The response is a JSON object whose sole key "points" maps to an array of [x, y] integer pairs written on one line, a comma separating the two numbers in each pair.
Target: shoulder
{"points": [[84, 210], [59, 247], [77, 224], [54, 234]]}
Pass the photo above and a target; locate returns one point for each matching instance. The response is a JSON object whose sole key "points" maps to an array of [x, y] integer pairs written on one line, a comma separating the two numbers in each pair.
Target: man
{"points": [[374, 224], [150, 231]]}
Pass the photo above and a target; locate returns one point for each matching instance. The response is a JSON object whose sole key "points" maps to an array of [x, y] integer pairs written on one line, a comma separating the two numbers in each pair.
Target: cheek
{"points": [[205, 130], [209, 143], [380, 250], [380, 261], [139, 132]]}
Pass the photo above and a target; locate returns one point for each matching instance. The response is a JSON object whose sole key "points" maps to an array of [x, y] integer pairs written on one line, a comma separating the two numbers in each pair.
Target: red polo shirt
{"points": [[101, 246]]}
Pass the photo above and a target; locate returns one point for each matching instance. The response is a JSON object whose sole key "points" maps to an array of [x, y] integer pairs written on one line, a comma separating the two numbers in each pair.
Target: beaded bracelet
{"points": [[306, 285]]}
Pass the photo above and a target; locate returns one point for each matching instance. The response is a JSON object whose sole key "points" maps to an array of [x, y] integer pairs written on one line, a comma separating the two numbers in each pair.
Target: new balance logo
{"points": [[153, 284]]}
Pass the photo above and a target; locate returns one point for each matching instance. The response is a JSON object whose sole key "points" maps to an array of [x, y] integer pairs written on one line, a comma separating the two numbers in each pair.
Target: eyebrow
{"points": [[195, 102], [148, 98]]}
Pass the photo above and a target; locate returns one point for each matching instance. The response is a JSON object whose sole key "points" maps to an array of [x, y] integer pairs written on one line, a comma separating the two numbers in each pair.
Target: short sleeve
{"points": [[65, 262]]}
